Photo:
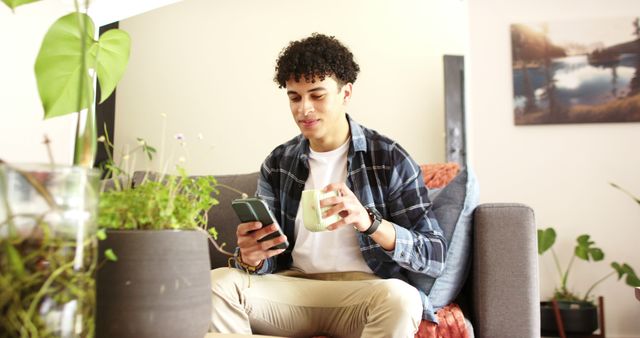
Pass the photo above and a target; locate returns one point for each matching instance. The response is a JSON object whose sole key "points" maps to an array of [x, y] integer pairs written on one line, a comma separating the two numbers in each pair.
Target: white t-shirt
{"points": [[327, 251]]}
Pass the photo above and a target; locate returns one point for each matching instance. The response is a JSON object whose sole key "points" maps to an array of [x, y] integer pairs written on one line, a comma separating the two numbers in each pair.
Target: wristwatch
{"points": [[375, 218]]}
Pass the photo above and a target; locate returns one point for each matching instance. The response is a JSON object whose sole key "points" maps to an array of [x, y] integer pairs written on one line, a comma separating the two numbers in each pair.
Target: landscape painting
{"points": [[576, 71]]}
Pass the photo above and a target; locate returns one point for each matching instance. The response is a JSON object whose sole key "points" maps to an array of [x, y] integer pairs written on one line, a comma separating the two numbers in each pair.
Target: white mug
{"points": [[311, 211]]}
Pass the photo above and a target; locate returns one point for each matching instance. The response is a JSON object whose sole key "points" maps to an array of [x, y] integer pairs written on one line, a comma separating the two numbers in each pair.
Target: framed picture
{"points": [[576, 71]]}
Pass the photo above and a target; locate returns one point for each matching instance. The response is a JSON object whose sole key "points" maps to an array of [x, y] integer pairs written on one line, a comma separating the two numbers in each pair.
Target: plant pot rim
{"points": [[564, 303]]}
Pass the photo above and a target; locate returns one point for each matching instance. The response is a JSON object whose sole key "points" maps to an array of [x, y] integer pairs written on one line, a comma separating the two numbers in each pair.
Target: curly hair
{"points": [[318, 55]]}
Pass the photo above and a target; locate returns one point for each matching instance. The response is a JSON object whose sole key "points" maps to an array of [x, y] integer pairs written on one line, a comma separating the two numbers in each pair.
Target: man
{"points": [[354, 280]]}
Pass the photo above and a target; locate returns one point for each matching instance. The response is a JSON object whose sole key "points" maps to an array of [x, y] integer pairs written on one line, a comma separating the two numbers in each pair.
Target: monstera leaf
{"points": [[586, 251], [624, 269]]}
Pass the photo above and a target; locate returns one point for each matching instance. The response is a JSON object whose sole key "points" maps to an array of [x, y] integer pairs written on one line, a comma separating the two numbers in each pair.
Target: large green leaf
{"points": [[546, 238], [59, 66], [15, 3], [112, 57]]}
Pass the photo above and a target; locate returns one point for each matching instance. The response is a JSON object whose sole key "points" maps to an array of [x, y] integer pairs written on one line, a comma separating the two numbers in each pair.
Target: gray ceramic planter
{"points": [[159, 287]]}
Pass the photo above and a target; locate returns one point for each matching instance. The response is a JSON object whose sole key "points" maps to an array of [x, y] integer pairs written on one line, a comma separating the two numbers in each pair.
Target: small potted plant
{"points": [[154, 280], [579, 312]]}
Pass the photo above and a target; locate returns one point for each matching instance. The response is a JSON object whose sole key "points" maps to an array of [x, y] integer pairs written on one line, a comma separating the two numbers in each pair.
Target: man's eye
{"points": [[318, 97], [294, 99]]}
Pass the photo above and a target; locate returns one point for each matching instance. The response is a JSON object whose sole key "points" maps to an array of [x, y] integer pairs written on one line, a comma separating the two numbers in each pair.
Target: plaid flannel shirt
{"points": [[382, 175]]}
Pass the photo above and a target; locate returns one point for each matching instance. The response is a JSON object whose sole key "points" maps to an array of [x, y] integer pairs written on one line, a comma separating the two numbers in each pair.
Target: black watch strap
{"points": [[375, 218]]}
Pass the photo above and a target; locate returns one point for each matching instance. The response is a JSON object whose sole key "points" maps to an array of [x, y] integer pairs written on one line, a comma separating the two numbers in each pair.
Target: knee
{"points": [[225, 278], [401, 297]]}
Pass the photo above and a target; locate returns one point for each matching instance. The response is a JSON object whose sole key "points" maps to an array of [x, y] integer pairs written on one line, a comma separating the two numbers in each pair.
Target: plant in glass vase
{"points": [[48, 252]]}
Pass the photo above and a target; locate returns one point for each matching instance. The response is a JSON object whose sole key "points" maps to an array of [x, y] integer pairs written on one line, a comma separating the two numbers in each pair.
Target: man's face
{"points": [[319, 111]]}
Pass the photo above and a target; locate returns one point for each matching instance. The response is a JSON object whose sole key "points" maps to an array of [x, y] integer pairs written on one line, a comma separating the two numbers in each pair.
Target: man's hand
{"points": [[253, 252], [347, 206]]}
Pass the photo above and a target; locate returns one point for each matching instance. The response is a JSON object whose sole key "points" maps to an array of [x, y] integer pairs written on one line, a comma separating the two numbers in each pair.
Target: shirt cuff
{"points": [[264, 268], [404, 245]]}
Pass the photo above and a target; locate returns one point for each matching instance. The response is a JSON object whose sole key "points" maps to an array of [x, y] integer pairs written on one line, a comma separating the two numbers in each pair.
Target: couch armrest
{"points": [[505, 272]]}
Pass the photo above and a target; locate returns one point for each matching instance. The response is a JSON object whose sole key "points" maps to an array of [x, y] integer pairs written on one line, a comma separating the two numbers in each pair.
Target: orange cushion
{"points": [[452, 324], [438, 175]]}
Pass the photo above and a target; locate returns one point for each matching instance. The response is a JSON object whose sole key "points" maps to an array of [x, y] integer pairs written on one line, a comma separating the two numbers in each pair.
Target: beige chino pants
{"points": [[291, 304]]}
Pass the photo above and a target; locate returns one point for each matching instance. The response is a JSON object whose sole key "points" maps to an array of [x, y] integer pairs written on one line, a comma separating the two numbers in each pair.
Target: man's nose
{"points": [[305, 106]]}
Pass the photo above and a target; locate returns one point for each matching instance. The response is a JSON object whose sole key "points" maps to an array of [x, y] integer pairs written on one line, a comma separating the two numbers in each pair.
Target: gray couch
{"points": [[501, 295]]}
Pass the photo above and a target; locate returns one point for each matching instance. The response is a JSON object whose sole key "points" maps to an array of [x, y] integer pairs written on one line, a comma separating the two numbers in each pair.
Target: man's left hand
{"points": [[347, 205]]}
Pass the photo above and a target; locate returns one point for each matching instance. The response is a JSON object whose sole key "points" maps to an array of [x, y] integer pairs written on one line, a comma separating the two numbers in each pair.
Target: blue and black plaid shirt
{"points": [[382, 175]]}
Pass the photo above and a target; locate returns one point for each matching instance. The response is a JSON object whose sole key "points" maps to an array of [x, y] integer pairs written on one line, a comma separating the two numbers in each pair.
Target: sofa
{"points": [[500, 297]]}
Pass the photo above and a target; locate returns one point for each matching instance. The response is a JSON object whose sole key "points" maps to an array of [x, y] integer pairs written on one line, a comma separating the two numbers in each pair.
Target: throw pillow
{"points": [[438, 175], [453, 206]]}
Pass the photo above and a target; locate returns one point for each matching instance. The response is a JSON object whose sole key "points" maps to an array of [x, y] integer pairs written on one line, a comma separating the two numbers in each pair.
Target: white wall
{"points": [[21, 124], [560, 170], [209, 66]]}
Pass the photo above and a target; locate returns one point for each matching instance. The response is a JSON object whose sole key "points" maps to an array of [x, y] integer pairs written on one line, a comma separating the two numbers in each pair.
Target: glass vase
{"points": [[48, 250]]}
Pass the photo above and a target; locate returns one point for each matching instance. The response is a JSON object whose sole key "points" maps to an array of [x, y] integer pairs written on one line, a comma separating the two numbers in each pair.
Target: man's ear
{"points": [[347, 92]]}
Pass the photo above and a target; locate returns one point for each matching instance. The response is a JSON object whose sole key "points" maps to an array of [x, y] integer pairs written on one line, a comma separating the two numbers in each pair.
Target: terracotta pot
{"points": [[159, 286], [577, 317]]}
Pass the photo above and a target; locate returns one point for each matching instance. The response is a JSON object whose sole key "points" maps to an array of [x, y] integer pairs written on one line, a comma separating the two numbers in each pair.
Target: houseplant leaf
{"points": [[546, 238], [624, 269], [586, 251], [64, 83], [15, 3], [112, 58]]}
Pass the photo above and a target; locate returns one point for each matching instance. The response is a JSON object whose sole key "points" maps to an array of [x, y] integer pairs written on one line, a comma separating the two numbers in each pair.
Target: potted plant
{"points": [[48, 250], [579, 312], [155, 276]]}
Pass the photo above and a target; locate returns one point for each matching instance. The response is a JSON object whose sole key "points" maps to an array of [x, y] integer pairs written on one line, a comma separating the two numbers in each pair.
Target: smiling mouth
{"points": [[309, 123]]}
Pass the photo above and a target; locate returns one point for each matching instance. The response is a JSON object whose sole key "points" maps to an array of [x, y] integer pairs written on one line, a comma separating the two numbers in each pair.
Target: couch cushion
{"points": [[453, 206]]}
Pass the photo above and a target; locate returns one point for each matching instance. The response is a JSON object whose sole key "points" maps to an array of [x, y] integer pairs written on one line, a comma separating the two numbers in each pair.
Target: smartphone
{"points": [[253, 209]]}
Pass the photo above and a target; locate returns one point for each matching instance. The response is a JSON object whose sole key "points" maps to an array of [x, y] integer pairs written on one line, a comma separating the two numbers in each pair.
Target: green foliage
{"points": [[159, 202], [171, 203], [43, 273], [586, 250], [110, 255]]}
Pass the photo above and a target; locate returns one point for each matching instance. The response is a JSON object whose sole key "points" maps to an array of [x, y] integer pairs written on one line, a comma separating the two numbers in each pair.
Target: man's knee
{"points": [[226, 278], [401, 297]]}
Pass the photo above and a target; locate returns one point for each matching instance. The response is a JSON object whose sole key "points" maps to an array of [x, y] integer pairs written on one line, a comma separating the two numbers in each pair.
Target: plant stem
{"points": [[566, 274], [45, 287], [626, 192], [244, 195], [586, 296], [215, 244]]}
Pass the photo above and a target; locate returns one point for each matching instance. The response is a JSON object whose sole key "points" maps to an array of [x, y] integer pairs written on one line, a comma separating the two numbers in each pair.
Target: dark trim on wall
{"points": [[105, 113], [456, 139]]}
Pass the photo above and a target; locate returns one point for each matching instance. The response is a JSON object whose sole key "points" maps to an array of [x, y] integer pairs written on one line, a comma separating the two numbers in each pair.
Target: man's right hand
{"points": [[253, 252]]}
